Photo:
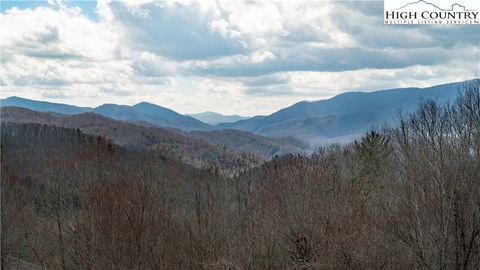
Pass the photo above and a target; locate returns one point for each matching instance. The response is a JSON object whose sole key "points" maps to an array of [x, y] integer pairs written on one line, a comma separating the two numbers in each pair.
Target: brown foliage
{"points": [[406, 198]]}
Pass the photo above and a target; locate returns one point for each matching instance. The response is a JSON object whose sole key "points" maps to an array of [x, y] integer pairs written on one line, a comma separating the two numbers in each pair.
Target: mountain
{"points": [[145, 113], [214, 118], [151, 114], [118, 112], [344, 116], [338, 119], [158, 114], [42, 106], [194, 147]]}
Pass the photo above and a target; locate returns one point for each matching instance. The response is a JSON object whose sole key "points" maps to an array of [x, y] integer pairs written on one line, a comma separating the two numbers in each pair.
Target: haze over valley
{"points": [[340, 119]]}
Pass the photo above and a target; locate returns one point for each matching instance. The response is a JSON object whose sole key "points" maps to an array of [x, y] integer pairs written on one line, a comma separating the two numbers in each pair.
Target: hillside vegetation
{"points": [[407, 197], [199, 148]]}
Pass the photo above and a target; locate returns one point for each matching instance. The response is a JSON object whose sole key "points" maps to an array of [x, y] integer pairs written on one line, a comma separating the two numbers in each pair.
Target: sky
{"points": [[232, 57]]}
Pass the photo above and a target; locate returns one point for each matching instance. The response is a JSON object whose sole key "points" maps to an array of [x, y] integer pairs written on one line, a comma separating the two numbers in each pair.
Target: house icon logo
{"points": [[431, 12]]}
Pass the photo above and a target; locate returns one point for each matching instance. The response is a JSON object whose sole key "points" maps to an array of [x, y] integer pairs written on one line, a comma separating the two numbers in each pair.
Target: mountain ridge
{"points": [[337, 119], [208, 145], [343, 115], [142, 112], [214, 118]]}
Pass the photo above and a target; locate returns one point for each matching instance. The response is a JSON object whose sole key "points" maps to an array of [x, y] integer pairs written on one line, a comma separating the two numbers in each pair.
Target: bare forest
{"points": [[401, 197]]}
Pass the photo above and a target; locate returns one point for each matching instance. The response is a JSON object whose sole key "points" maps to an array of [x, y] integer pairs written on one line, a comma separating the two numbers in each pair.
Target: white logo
{"points": [[432, 11]]}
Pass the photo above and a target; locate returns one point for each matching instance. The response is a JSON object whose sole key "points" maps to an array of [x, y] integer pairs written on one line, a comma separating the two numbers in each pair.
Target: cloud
{"points": [[55, 33], [58, 53], [151, 65], [307, 33], [332, 59], [55, 93], [229, 56], [116, 90], [220, 88], [178, 31], [273, 90], [271, 79], [343, 39]]}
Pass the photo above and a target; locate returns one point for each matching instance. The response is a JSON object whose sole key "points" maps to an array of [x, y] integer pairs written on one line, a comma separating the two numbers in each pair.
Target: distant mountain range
{"points": [[199, 145], [153, 114], [337, 119], [214, 118], [344, 116], [143, 112], [42, 106]]}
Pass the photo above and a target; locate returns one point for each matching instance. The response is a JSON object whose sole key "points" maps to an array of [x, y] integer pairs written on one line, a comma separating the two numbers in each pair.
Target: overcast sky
{"points": [[232, 57]]}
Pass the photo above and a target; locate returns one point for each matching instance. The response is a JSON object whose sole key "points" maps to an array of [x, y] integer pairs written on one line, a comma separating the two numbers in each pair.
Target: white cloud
{"points": [[152, 65], [260, 57], [179, 31], [220, 89], [50, 33], [58, 53], [235, 57]]}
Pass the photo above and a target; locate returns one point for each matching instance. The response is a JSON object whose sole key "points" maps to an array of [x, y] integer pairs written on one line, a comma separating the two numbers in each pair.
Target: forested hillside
{"points": [[400, 198], [200, 149]]}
